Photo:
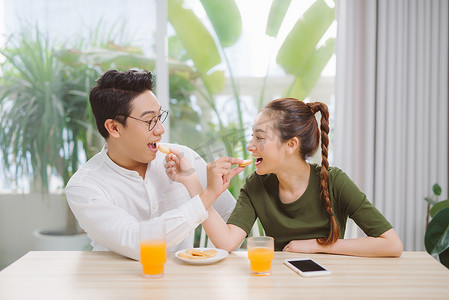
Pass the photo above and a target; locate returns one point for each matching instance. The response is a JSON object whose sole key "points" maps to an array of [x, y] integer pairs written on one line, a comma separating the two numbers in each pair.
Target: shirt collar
{"points": [[117, 168]]}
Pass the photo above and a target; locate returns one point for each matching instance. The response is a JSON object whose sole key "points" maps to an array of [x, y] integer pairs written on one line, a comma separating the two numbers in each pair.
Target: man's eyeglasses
{"points": [[152, 123]]}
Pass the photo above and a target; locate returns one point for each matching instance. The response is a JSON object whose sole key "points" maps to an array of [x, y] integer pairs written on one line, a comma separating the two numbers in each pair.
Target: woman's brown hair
{"points": [[294, 118]]}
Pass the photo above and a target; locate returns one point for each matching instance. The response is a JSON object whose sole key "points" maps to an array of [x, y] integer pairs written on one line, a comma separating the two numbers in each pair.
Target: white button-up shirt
{"points": [[110, 202]]}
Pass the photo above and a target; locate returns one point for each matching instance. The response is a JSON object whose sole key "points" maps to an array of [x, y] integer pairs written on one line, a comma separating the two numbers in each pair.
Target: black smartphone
{"points": [[306, 267]]}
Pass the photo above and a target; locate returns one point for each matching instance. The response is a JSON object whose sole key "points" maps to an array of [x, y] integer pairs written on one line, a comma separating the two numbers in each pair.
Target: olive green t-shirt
{"points": [[305, 218]]}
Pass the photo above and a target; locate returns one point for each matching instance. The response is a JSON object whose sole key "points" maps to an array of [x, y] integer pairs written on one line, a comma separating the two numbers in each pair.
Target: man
{"points": [[126, 183]]}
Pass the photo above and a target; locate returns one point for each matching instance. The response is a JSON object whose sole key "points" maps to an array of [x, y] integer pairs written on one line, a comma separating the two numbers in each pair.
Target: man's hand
{"points": [[178, 168]]}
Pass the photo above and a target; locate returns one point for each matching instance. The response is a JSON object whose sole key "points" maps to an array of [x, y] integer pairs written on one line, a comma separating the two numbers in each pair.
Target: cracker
{"points": [[246, 162], [185, 255], [198, 257], [197, 252], [193, 253], [210, 252], [164, 149]]}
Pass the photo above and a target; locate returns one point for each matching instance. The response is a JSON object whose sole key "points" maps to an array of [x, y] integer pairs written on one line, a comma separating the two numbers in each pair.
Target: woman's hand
{"points": [[219, 174], [303, 246], [388, 244]]}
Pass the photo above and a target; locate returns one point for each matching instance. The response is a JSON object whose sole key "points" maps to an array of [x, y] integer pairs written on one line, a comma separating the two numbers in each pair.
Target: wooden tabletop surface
{"points": [[105, 275]]}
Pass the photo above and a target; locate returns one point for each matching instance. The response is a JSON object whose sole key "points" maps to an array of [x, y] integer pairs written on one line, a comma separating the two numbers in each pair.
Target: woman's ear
{"points": [[292, 145], [112, 127]]}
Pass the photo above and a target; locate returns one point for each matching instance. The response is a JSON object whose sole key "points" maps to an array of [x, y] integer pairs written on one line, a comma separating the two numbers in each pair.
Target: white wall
{"points": [[20, 215]]}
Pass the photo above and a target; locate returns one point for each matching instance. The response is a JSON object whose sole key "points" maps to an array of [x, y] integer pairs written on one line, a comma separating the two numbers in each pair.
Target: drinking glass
{"points": [[153, 248], [260, 254]]}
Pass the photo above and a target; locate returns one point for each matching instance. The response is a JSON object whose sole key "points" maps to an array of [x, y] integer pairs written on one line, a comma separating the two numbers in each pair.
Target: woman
{"points": [[303, 206]]}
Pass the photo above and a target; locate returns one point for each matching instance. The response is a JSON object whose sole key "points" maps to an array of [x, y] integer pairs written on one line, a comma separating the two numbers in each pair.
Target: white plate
{"points": [[220, 255]]}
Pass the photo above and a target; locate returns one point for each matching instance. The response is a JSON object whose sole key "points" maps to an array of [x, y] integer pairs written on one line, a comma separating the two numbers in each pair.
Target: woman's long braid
{"points": [[324, 177]]}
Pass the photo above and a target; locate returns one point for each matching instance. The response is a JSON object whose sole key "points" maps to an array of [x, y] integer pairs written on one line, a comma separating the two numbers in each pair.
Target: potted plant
{"points": [[44, 104], [436, 238], [47, 126]]}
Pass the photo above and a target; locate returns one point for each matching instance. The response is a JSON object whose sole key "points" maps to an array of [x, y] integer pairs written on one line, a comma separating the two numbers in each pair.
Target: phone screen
{"points": [[306, 265]]}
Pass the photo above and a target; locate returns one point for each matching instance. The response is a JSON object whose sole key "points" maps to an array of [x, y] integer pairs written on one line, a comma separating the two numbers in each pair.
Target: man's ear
{"points": [[112, 127], [292, 145]]}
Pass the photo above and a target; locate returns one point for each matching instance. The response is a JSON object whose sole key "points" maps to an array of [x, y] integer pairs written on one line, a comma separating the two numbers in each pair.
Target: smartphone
{"points": [[306, 267]]}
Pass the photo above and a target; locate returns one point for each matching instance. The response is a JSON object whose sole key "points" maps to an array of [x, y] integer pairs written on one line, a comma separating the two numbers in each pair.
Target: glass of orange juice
{"points": [[260, 254], [153, 248]]}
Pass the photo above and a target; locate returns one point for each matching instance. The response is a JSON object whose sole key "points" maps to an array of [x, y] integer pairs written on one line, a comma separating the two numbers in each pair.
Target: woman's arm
{"points": [[387, 244], [219, 175], [223, 236]]}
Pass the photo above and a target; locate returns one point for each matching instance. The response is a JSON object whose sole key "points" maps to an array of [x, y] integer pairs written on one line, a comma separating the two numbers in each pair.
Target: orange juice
{"points": [[153, 255], [260, 259]]}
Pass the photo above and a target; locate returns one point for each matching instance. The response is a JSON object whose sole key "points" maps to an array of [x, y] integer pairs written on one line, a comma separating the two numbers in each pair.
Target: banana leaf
{"points": [[224, 16], [276, 16], [120, 59], [197, 41], [311, 71], [214, 82], [302, 40]]}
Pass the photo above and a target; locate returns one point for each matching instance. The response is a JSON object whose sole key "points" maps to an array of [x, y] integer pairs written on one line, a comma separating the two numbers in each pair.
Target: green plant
{"points": [[436, 237], [194, 44], [124, 57], [433, 203], [45, 125], [299, 55]]}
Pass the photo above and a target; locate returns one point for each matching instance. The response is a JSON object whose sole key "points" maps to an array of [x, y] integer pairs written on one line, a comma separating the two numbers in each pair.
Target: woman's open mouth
{"points": [[258, 161]]}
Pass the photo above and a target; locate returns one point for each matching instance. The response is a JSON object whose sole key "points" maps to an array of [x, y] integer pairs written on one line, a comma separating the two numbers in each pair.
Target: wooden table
{"points": [[105, 275]]}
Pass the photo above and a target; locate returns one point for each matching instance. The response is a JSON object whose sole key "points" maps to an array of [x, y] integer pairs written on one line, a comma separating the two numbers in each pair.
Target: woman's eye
{"points": [[259, 138]]}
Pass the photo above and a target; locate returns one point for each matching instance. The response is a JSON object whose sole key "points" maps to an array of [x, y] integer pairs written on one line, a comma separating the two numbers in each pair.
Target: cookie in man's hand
{"points": [[163, 149]]}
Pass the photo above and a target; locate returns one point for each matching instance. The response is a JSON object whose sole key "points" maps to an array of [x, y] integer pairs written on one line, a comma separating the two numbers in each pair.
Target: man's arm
{"points": [[117, 230]]}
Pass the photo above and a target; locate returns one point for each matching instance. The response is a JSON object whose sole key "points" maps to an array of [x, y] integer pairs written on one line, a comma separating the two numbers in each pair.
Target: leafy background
{"points": [[55, 132], [47, 129]]}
